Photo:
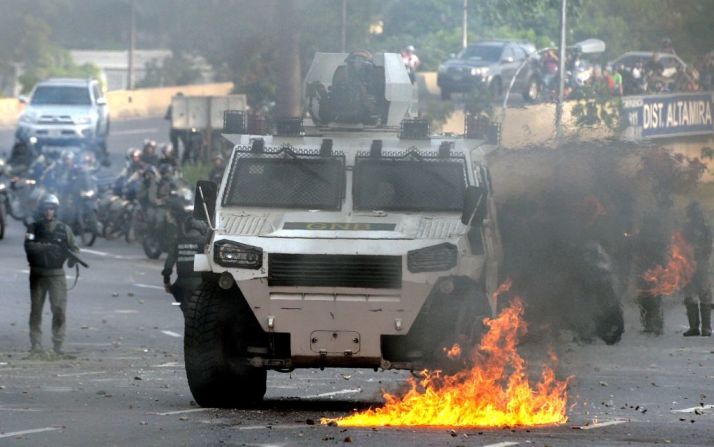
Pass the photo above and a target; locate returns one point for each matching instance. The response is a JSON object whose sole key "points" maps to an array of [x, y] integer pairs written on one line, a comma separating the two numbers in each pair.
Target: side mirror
{"points": [[204, 201], [101, 101], [22, 99], [507, 60], [474, 205]]}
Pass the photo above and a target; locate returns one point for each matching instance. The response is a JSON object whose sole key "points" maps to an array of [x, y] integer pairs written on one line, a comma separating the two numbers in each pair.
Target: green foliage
{"points": [[56, 63], [175, 70], [193, 173], [596, 107]]}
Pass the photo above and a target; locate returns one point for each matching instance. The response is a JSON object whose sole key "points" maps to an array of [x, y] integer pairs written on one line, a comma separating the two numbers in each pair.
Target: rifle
{"points": [[70, 254]]}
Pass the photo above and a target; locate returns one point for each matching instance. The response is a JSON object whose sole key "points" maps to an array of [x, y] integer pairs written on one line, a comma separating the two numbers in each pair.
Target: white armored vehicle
{"points": [[359, 241]]}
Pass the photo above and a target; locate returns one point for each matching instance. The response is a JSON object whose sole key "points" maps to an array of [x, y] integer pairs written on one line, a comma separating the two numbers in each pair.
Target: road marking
{"points": [[109, 255], [693, 409], [136, 131], [601, 424], [172, 334], [167, 365], [18, 409], [81, 374], [28, 432], [502, 444], [334, 393], [171, 413], [148, 286], [126, 311]]}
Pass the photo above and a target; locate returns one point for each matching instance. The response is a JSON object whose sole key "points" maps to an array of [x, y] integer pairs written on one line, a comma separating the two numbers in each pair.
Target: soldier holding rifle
{"points": [[48, 244]]}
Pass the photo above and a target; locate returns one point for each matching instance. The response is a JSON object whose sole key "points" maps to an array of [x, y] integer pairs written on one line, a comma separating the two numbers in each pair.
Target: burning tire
{"points": [[218, 327]]}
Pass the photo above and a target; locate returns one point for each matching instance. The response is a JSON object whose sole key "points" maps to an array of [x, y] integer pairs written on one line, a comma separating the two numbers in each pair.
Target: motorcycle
{"points": [[150, 226], [79, 208]]}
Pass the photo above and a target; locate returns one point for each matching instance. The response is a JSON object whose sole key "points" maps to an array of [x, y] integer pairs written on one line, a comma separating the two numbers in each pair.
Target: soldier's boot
{"points": [[36, 348], [58, 348], [706, 311], [693, 317]]}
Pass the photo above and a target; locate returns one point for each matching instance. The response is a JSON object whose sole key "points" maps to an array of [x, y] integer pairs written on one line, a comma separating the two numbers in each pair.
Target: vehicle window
{"points": [[508, 52], [520, 53], [409, 185], [316, 183], [61, 95], [488, 53]]}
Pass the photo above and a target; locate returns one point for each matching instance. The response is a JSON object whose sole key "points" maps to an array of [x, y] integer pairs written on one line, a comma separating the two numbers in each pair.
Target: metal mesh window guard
{"points": [[286, 181], [403, 184]]}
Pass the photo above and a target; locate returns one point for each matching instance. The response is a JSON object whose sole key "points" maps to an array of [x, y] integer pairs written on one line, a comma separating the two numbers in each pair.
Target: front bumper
{"points": [[459, 82], [56, 134]]}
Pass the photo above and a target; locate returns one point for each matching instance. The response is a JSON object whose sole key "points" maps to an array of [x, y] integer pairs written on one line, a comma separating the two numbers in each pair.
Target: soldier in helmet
{"points": [[190, 241], [219, 166], [46, 242], [698, 234]]}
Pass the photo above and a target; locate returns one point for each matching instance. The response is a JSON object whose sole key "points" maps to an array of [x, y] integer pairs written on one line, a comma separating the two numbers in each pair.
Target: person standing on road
{"points": [[219, 165], [189, 242], [698, 234], [411, 61], [46, 243], [650, 250]]}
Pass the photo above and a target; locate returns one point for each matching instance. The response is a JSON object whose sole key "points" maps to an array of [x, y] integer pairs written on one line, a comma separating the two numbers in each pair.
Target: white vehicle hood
{"points": [[340, 226]]}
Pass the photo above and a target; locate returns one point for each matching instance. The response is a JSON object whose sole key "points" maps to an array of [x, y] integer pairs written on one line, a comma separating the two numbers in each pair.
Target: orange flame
{"points": [[503, 288], [454, 352], [677, 273], [494, 393]]}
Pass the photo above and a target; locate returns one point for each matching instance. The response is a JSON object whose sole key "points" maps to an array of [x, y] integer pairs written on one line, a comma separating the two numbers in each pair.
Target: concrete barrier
{"points": [[530, 125], [10, 109], [125, 104], [154, 101]]}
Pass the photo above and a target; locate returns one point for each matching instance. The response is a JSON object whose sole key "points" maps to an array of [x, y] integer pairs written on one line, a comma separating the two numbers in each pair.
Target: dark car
{"points": [[491, 63]]}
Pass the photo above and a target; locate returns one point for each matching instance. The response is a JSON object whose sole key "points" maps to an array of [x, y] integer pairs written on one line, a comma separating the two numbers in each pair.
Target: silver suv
{"points": [[62, 112]]}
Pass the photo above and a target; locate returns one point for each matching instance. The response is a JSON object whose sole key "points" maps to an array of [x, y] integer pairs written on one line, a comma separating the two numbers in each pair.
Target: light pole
{"points": [[343, 40], [465, 25], [561, 83], [132, 44]]}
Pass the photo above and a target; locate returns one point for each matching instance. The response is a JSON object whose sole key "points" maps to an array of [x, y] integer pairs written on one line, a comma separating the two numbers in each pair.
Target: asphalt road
{"points": [[126, 384]]}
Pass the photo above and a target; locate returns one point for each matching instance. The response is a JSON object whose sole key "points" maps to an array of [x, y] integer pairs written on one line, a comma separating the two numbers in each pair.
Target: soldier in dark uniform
{"points": [[651, 248], [699, 235], [219, 166], [44, 244], [190, 241]]}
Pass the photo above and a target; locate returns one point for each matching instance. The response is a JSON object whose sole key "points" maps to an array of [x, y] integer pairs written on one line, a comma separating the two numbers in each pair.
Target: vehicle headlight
{"points": [[2, 187], [83, 120], [479, 71], [27, 119], [88, 194], [233, 254], [436, 258]]}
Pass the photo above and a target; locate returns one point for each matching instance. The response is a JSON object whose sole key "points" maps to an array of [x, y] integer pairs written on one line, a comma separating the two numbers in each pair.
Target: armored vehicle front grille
{"points": [[374, 272]]}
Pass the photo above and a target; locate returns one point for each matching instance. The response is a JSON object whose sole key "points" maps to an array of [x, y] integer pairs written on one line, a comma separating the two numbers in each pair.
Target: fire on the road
{"points": [[680, 268], [495, 392]]}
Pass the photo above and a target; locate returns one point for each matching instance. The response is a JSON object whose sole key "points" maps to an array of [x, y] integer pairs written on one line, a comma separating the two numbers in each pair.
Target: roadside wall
{"points": [[125, 104]]}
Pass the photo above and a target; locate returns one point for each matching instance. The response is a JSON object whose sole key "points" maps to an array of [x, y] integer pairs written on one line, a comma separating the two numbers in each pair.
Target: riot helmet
{"points": [[49, 201]]}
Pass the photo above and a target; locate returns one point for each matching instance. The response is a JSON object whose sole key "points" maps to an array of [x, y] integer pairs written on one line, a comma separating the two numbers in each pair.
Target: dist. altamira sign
{"points": [[669, 115]]}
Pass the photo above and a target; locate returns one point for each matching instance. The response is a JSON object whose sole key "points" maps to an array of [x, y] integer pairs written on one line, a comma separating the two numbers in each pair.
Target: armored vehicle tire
{"points": [[217, 323], [152, 246]]}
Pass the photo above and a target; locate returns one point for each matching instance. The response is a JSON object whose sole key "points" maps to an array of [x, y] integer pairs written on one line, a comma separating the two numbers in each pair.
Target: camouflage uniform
{"points": [[44, 253], [699, 235], [189, 242]]}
